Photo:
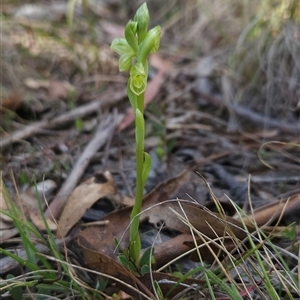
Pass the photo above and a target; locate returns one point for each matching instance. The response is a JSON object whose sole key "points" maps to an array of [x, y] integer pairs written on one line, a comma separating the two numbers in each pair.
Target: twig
{"points": [[76, 113], [248, 114], [103, 133]]}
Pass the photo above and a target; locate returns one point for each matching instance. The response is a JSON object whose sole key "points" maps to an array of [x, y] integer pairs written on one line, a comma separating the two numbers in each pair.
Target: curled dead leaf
{"points": [[83, 197], [101, 238], [106, 265]]}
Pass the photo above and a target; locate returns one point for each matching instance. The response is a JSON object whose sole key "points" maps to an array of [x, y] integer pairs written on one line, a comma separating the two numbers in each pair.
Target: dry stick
{"points": [[103, 133], [248, 114], [76, 113]]}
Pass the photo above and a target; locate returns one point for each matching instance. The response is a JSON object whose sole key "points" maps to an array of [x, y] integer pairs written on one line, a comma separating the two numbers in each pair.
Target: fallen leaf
{"points": [[56, 89], [34, 216], [169, 250], [82, 198], [186, 217], [13, 101], [59, 89], [36, 84], [275, 210], [102, 263], [5, 234], [40, 191], [101, 238], [209, 223]]}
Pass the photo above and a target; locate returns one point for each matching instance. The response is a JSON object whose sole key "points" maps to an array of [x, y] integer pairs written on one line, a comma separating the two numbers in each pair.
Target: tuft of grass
{"points": [[40, 276]]}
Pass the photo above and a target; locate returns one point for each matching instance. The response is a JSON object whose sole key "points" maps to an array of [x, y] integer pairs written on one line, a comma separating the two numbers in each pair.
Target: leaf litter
{"points": [[193, 124]]}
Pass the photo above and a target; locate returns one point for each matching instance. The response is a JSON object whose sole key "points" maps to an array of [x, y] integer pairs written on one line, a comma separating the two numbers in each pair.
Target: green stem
{"points": [[134, 228]]}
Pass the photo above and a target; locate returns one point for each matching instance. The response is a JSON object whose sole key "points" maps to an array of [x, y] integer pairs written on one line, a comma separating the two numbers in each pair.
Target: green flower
{"points": [[142, 18], [138, 79], [130, 35], [126, 53], [150, 44]]}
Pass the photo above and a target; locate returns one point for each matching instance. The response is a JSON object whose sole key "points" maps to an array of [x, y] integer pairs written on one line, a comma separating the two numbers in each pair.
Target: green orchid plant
{"points": [[134, 51]]}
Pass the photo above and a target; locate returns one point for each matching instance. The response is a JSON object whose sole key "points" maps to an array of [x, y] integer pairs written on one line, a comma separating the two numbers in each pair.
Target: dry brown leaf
{"points": [[36, 84], [275, 210], [209, 223], [56, 89], [34, 216], [102, 263], [169, 250], [59, 89], [82, 198], [101, 238], [207, 226], [128, 201], [42, 190], [29, 203], [13, 101], [3, 207], [5, 234]]}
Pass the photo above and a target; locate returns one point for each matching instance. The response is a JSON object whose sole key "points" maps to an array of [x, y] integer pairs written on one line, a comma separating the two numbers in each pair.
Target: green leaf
{"points": [[79, 125], [16, 292], [139, 128], [123, 260], [146, 259], [102, 284], [177, 274], [146, 167], [135, 249], [145, 269], [132, 97], [158, 290], [230, 290]]}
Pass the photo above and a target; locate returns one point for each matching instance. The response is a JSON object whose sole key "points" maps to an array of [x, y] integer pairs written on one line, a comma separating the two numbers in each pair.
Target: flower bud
{"points": [[150, 44], [130, 35], [142, 18]]}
